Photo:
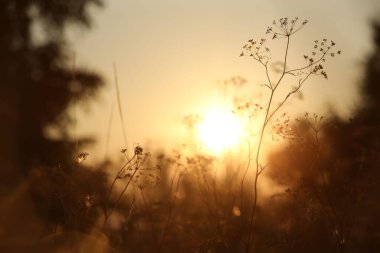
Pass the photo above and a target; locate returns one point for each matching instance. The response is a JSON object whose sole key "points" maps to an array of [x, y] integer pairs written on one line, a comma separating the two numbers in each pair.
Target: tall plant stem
{"points": [[108, 214], [121, 115], [257, 159], [244, 176]]}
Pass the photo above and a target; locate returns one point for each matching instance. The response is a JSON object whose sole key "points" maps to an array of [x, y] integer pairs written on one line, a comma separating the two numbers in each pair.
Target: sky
{"points": [[171, 57]]}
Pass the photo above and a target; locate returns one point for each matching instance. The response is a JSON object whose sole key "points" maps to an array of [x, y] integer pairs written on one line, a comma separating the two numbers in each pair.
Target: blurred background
{"points": [[84, 80], [177, 53]]}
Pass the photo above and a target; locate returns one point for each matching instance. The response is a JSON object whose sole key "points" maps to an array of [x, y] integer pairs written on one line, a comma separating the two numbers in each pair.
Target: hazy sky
{"points": [[170, 55]]}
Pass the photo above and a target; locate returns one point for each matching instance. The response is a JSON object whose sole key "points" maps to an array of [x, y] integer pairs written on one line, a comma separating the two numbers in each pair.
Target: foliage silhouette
{"points": [[332, 176], [39, 83]]}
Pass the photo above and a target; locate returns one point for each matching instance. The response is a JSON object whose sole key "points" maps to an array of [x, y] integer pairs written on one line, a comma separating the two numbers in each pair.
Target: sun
{"points": [[220, 130]]}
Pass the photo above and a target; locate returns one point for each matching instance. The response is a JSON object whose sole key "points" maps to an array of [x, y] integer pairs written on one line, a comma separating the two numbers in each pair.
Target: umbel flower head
{"points": [[284, 28]]}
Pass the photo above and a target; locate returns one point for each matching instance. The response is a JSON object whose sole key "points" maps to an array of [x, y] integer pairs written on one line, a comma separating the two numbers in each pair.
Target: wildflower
{"points": [[138, 150], [81, 157]]}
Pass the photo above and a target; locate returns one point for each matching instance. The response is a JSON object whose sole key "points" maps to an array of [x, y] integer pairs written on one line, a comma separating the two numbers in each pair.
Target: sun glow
{"points": [[220, 130]]}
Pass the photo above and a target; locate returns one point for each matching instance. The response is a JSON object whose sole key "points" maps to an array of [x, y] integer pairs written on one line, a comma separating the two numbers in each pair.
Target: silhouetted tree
{"points": [[38, 82]]}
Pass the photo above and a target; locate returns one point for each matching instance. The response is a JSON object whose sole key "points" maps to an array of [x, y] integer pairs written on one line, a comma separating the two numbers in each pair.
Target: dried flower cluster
{"points": [[321, 50], [257, 50], [82, 156], [281, 128], [285, 27], [138, 150], [315, 122]]}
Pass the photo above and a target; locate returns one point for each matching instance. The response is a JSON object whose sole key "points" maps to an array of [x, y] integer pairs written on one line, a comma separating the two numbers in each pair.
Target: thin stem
{"points": [[249, 143], [126, 186], [244, 176], [108, 135], [119, 106], [107, 215], [265, 122], [170, 213], [267, 73], [287, 97], [309, 65], [118, 175]]}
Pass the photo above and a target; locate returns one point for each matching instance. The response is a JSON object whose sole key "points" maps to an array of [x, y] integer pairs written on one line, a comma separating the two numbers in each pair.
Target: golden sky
{"points": [[171, 55]]}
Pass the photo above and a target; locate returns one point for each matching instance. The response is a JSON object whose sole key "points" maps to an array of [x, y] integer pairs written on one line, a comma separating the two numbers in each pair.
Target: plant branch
{"points": [[265, 122], [300, 83], [123, 191]]}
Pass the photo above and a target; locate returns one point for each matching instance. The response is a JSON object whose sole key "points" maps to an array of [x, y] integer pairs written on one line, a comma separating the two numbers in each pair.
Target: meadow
{"points": [[262, 179]]}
